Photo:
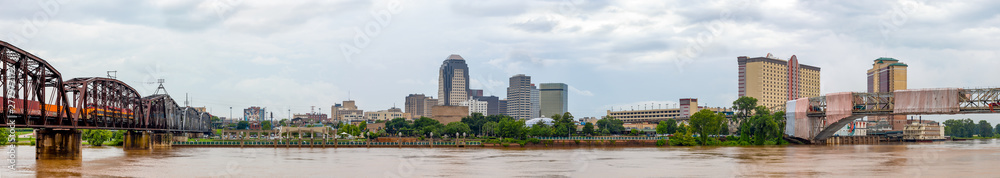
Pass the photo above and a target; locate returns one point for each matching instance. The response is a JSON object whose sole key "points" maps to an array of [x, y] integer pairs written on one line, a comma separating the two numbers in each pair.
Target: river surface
{"points": [[978, 158]]}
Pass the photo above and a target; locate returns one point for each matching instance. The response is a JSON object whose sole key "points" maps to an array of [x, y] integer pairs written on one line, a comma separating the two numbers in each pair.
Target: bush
{"points": [[97, 137], [505, 144], [577, 142], [661, 142], [683, 139], [534, 140], [612, 142]]}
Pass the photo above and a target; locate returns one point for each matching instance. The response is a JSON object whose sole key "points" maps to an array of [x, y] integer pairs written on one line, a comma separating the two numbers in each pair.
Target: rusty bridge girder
{"points": [[35, 96], [32, 90], [104, 102]]}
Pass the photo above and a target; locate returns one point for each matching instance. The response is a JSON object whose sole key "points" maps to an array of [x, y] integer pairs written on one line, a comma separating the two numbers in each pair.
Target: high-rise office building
{"points": [[554, 99], [774, 81], [418, 105], [503, 107], [887, 75], [536, 102], [453, 81], [519, 97]]}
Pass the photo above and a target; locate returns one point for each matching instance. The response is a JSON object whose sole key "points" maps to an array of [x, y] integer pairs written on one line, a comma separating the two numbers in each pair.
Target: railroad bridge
{"points": [[36, 96], [818, 118]]}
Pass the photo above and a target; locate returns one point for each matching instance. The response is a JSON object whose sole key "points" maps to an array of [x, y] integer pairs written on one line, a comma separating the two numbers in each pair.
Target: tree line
{"points": [[968, 128]]}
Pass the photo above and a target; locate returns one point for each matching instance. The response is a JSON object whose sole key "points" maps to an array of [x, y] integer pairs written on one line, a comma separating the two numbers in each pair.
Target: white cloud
{"points": [[580, 92]]}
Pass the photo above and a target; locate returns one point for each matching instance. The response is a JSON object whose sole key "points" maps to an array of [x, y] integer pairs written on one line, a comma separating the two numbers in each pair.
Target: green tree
{"points": [[510, 128], [98, 137], [118, 138], [216, 119], [490, 128], [397, 125], [960, 127], [744, 107], [265, 125], [682, 138], [985, 130], [613, 125], [763, 128], [283, 122], [671, 126], [588, 128], [5, 136], [661, 128], [475, 122], [242, 125], [563, 124], [683, 128], [725, 127], [363, 126], [540, 130], [424, 122], [457, 128], [706, 123], [997, 130]]}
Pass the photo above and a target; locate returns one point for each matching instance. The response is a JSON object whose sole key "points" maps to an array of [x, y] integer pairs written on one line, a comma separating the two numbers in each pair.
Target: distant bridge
{"points": [[818, 118]]}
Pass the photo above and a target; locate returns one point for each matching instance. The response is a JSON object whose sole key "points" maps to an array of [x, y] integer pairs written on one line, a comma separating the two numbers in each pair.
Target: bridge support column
{"points": [[162, 140], [180, 137], [137, 140], [58, 144]]}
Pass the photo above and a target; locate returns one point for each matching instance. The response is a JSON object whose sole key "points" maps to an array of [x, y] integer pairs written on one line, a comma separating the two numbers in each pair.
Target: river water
{"points": [[979, 158]]}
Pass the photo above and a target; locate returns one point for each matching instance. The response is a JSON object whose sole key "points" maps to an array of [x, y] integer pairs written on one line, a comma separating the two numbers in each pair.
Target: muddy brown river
{"points": [[979, 158]]}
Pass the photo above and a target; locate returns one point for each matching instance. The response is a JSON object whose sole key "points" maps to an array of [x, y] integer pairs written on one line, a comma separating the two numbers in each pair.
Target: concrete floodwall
{"points": [[927, 101]]}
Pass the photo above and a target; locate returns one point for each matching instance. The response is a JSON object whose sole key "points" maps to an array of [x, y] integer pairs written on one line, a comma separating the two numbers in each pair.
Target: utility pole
{"points": [[115, 76]]}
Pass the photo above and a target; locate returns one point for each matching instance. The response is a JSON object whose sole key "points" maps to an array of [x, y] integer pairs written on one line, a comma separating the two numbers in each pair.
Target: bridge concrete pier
{"points": [[180, 137], [137, 140], [58, 144], [162, 140]]}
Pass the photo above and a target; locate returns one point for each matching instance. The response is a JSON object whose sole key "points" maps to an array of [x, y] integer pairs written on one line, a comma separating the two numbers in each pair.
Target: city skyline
{"points": [[249, 59]]}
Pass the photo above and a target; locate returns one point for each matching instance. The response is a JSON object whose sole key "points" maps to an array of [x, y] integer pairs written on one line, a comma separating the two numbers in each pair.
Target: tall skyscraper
{"points": [[554, 99], [536, 103], [519, 97], [453, 81], [418, 105], [887, 75], [774, 81]]}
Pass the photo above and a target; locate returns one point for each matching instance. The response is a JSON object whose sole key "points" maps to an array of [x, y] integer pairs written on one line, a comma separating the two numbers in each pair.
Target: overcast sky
{"points": [[290, 55]]}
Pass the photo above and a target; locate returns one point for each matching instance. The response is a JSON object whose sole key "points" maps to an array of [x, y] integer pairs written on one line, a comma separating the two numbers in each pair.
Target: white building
{"points": [[532, 122], [476, 106], [855, 128]]}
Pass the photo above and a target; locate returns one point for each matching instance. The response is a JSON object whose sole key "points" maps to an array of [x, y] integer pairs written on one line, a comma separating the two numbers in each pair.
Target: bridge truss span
{"points": [[825, 115]]}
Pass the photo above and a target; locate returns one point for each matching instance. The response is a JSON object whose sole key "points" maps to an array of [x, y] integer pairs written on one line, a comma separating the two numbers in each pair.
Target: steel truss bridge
{"points": [[824, 116], [36, 96]]}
